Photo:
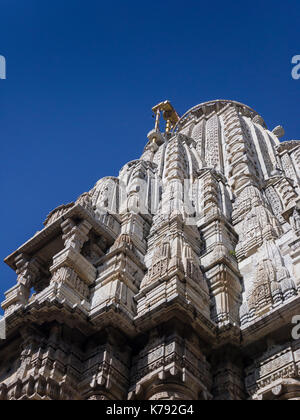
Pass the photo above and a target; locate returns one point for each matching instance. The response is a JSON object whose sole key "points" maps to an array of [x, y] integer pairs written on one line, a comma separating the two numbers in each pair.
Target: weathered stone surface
{"points": [[179, 279]]}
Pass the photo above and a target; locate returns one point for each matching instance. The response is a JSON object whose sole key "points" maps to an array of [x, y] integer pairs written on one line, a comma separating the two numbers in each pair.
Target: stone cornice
{"points": [[271, 322], [54, 229], [288, 146]]}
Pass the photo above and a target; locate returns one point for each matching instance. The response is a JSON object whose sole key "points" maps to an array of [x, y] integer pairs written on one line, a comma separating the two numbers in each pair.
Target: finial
{"points": [[279, 131]]}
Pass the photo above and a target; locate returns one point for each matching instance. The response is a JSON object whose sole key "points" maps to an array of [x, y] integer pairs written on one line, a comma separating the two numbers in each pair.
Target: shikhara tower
{"points": [[177, 280]]}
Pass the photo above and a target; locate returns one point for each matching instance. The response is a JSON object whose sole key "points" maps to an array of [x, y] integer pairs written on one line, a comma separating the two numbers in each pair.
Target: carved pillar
{"points": [[28, 272], [71, 271], [106, 366], [75, 236], [228, 375], [170, 366], [219, 260]]}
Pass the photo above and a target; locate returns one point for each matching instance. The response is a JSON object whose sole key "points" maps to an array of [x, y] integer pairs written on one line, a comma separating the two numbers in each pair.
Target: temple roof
{"points": [[206, 108]]}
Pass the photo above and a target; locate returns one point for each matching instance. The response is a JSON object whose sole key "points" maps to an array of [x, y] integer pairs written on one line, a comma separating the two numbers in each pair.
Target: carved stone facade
{"points": [[177, 280]]}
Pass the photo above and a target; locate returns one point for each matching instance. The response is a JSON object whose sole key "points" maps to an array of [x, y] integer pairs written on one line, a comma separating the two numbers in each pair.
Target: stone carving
{"points": [[275, 375], [288, 166], [279, 131], [198, 135], [106, 195], [259, 120], [266, 290], [265, 151], [166, 282], [85, 201], [258, 225], [212, 146], [69, 276], [160, 262], [288, 146], [295, 220], [250, 197], [275, 203], [57, 213], [75, 235]]}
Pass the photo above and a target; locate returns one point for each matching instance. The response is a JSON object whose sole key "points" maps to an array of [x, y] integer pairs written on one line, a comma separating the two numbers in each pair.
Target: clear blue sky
{"points": [[83, 76]]}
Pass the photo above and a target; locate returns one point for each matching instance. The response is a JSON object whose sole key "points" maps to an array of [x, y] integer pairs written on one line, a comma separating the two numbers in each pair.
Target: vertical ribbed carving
{"points": [[167, 281], [198, 134], [212, 143]]}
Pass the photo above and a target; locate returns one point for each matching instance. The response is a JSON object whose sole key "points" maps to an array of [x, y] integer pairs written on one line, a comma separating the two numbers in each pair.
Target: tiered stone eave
{"points": [[178, 279]]}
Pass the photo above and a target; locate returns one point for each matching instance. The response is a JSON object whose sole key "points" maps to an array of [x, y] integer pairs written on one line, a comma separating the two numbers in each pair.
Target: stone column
{"points": [[28, 272], [71, 271]]}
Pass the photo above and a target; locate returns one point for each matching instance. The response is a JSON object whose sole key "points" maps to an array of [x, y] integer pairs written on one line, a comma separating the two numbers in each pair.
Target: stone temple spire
{"points": [[178, 279]]}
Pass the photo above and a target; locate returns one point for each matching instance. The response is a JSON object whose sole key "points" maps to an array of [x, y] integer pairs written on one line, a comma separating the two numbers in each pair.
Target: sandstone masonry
{"points": [[179, 279]]}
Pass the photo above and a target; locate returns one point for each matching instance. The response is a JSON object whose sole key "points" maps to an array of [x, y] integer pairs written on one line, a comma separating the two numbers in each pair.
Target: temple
{"points": [[177, 280]]}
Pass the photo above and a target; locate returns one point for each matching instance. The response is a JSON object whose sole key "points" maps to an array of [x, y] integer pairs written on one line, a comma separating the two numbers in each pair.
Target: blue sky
{"points": [[82, 77]]}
